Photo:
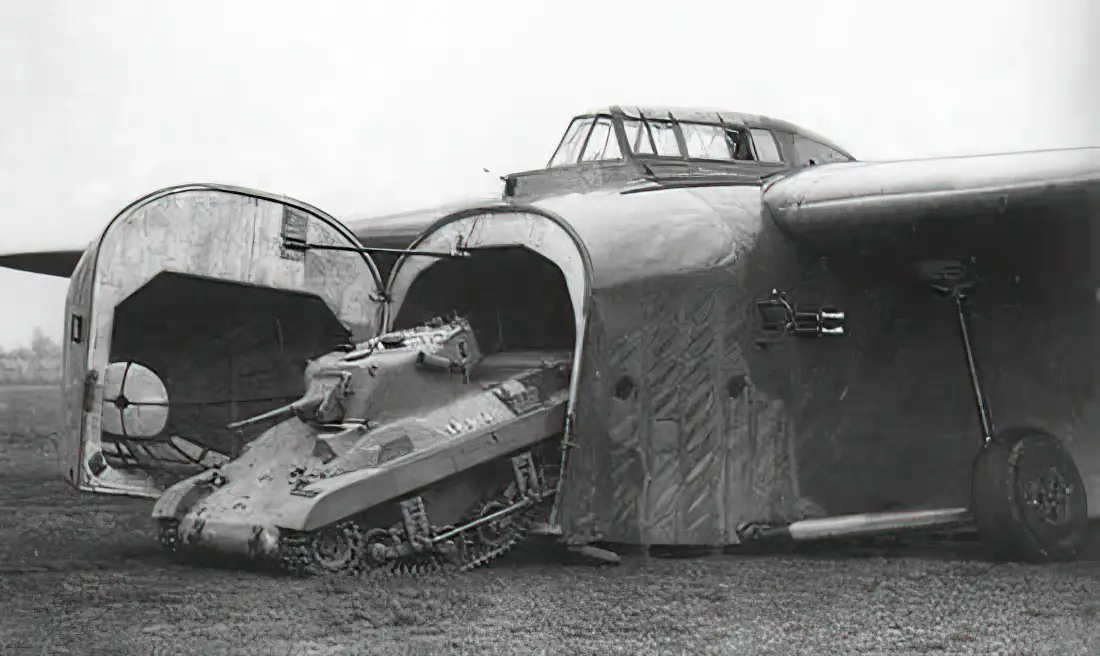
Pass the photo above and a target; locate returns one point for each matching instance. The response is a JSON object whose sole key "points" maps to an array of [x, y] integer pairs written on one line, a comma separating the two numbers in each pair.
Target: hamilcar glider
{"points": [[692, 328]]}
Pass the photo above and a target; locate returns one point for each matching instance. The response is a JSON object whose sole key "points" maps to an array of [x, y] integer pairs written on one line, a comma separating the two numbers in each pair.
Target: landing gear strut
{"points": [[1027, 496]]}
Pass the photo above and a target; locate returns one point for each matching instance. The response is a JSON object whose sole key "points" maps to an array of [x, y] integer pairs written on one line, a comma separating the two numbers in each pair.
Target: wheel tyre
{"points": [[1028, 498]]}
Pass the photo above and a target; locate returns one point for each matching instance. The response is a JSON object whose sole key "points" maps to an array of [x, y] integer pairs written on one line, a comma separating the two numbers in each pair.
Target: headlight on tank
{"points": [[394, 449]]}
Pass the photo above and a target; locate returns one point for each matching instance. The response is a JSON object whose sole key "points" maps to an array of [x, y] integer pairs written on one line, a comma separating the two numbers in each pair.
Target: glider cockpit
{"points": [[597, 138], [617, 146]]}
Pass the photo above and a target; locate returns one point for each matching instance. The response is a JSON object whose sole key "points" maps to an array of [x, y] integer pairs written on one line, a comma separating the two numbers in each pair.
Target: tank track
{"points": [[414, 546]]}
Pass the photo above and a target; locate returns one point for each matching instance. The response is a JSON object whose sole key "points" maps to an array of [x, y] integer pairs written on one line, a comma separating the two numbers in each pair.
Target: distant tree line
{"points": [[37, 364]]}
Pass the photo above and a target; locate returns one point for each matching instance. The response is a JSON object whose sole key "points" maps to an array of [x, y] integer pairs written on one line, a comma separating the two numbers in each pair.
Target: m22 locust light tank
{"points": [[410, 452]]}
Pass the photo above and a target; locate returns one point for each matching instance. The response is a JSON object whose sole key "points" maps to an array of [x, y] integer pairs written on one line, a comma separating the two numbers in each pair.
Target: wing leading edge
{"points": [[848, 200]]}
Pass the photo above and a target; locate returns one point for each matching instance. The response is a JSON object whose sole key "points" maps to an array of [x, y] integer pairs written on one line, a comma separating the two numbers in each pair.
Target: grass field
{"points": [[81, 575]]}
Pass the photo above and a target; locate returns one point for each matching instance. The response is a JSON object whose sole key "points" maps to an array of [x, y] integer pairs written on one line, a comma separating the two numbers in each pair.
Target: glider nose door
{"points": [[199, 306]]}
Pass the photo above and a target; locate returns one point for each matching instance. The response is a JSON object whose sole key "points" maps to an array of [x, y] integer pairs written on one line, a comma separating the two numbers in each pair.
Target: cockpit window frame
{"points": [[626, 150], [775, 144], [616, 129], [646, 122], [614, 132], [561, 142], [725, 127]]}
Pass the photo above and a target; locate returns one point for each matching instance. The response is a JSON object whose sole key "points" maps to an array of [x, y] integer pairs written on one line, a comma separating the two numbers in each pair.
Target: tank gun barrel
{"points": [[283, 412]]}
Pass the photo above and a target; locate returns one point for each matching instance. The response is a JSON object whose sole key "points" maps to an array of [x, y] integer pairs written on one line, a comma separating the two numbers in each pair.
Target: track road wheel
{"points": [[337, 549], [1028, 498]]}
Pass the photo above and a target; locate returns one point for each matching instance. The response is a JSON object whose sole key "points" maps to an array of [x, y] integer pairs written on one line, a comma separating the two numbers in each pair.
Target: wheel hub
{"points": [[1049, 496]]}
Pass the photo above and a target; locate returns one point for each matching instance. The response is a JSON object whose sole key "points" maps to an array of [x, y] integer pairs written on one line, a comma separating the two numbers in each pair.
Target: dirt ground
{"points": [[81, 575]]}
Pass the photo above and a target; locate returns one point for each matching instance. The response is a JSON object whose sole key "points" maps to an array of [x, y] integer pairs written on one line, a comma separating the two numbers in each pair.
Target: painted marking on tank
{"points": [[482, 419]]}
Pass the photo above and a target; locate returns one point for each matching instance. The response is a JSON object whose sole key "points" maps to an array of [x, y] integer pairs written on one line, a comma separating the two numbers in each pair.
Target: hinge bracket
{"points": [[780, 318]]}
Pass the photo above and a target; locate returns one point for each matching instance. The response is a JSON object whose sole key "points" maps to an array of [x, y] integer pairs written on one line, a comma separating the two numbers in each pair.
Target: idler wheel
{"points": [[1028, 497]]}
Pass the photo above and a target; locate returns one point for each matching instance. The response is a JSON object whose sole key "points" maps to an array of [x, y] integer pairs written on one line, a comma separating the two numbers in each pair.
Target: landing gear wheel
{"points": [[1028, 497]]}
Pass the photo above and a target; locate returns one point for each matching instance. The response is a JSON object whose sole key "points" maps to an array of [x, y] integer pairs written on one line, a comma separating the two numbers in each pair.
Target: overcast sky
{"points": [[377, 107]]}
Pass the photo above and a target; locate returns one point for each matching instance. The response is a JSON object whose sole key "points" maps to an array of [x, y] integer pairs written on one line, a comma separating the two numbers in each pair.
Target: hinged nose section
{"points": [[779, 318]]}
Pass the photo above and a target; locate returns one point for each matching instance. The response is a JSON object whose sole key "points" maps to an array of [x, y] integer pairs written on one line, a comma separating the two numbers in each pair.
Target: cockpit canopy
{"points": [[634, 148], [594, 138], [604, 135]]}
